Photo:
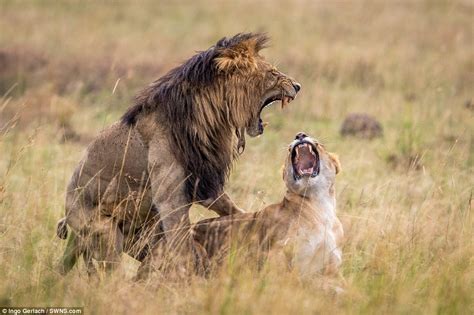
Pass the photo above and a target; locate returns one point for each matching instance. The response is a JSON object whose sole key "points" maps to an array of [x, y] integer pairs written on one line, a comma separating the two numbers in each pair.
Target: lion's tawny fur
{"points": [[179, 139]]}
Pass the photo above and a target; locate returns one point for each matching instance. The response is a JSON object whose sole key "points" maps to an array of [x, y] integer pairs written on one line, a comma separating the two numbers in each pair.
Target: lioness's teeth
{"points": [[264, 124], [310, 149]]}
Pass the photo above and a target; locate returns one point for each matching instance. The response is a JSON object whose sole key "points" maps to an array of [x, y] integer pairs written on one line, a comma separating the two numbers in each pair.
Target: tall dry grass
{"points": [[67, 69]]}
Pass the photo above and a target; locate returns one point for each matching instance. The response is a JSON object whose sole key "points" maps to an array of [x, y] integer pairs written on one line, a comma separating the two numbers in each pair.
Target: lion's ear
{"points": [[335, 160], [234, 63], [240, 52]]}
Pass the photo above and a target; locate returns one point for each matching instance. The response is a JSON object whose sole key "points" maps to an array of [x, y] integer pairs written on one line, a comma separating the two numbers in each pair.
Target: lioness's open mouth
{"points": [[285, 100], [305, 160]]}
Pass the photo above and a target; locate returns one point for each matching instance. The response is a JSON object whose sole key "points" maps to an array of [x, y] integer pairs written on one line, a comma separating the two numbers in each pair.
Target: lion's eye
{"points": [[273, 75]]}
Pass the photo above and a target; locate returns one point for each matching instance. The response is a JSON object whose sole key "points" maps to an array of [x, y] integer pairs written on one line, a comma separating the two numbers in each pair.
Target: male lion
{"points": [[175, 146]]}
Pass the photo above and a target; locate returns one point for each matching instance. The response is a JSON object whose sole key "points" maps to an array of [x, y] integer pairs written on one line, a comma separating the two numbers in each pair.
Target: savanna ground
{"points": [[68, 69]]}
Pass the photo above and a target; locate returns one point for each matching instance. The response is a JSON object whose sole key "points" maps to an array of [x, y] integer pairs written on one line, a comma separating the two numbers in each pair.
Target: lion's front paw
{"points": [[238, 210]]}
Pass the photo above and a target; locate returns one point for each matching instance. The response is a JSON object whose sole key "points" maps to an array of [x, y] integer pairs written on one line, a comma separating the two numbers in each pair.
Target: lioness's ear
{"points": [[335, 160], [239, 52]]}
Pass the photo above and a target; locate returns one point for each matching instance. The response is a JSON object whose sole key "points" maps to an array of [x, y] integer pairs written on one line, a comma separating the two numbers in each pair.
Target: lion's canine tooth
{"points": [[264, 124], [284, 101]]}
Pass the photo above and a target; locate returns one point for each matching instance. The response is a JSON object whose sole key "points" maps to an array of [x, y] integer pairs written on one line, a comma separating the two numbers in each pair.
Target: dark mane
{"points": [[183, 101], [197, 71]]}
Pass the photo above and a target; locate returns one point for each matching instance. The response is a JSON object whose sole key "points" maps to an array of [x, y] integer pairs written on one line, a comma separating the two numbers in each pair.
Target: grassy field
{"points": [[67, 69]]}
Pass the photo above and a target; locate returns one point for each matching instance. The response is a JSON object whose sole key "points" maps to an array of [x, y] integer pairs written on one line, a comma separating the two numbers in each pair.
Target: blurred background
{"points": [[68, 69]]}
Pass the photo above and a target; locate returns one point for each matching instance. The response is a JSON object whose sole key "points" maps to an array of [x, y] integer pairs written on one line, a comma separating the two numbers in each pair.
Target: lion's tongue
{"points": [[304, 160]]}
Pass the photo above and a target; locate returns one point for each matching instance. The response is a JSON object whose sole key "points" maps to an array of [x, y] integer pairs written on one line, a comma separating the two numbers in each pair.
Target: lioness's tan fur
{"points": [[303, 225]]}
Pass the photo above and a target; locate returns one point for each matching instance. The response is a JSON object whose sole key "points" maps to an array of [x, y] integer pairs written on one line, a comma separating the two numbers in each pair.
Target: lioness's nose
{"points": [[297, 86], [300, 136]]}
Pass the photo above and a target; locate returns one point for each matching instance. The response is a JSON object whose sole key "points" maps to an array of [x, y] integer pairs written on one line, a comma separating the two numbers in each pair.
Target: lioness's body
{"points": [[173, 147], [303, 225]]}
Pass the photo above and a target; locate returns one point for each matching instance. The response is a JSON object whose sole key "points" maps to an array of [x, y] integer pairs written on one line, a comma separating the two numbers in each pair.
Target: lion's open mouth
{"points": [[305, 160], [285, 100]]}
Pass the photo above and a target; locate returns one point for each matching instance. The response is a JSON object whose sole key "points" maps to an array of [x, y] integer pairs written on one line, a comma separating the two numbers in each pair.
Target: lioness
{"points": [[176, 145], [304, 224]]}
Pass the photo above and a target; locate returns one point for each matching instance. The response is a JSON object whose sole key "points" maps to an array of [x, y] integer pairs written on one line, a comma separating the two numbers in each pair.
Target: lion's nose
{"points": [[300, 136], [297, 86]]}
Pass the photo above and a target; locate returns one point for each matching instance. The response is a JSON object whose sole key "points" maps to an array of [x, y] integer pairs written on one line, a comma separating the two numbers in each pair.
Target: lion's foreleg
{"points": [[223, 205], [168, 181], [176, 227], [173, 206]]}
